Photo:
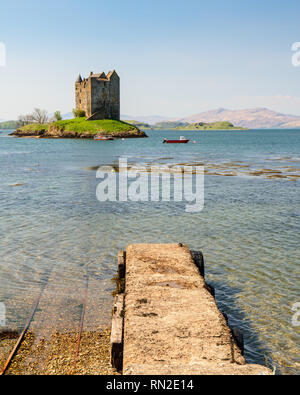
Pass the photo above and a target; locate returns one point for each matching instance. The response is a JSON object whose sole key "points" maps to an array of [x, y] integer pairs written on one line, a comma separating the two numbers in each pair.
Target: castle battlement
{"points": [[99, 95]]}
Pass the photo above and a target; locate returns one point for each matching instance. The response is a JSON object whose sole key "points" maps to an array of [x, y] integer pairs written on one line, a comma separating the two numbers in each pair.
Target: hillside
{"points": [[157, 126], [187, 126], [256, 118], [140, 125], [171, 125], [8, 125], [80, 128], [149, 119], [211, 126]]}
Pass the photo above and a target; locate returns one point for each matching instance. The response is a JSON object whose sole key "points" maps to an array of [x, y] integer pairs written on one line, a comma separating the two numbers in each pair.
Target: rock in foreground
{"points": [[172, 324]]}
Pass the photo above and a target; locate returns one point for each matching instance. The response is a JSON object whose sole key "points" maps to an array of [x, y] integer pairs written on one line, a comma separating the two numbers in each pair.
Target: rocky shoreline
{"points": [[55, 132]]}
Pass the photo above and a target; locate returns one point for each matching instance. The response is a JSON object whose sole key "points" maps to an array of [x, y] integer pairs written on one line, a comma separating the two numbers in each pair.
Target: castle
{"points": [[99, 95]]}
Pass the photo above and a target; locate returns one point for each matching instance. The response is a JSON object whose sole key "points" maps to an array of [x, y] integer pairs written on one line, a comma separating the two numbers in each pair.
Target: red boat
{"points": [[103, 138], [182, 140]]}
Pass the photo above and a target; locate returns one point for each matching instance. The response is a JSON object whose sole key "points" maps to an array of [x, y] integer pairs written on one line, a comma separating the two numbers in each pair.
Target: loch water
{"points": [[54, 231]]}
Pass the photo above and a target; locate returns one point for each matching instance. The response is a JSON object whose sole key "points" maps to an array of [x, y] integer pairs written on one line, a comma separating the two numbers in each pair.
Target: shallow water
{"points": [[54, 231]]}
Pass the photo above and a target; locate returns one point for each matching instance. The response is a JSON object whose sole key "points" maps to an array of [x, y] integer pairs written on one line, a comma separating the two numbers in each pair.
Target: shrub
{"points": [[78, 113], [57, 116]]}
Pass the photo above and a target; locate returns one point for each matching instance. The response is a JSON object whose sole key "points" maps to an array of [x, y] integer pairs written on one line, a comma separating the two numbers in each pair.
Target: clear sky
{"points": [[174, 57]]}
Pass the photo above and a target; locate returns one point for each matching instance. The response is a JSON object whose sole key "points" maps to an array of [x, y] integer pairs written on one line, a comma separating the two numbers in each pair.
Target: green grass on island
{"points": [[81, 127], [34, 127]]}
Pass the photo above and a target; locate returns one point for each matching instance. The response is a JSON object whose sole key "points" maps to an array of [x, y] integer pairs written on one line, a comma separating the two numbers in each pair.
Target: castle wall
{"points": [[83, 96], [115, 96], [99, 97]]}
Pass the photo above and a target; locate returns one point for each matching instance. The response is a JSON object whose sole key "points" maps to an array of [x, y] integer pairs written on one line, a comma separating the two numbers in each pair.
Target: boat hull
{"points": [[176, 141], [103, 138]]}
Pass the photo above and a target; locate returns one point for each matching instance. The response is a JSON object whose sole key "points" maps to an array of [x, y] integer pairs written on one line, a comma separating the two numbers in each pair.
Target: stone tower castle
{"points": [[99, 95]]}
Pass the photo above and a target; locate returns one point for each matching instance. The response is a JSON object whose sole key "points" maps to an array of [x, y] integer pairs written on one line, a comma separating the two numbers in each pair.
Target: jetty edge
{"points": [[80, 128], [166, 320]]}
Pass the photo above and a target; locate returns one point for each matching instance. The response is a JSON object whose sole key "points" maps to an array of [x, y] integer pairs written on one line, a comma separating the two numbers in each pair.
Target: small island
{"points": [[211, 126], [97, 112], [187, 126], [80, 128]]}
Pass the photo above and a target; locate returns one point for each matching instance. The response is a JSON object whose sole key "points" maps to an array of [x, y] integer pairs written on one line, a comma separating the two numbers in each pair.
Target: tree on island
{"points": [[24, 120], [38, 116], [57, 116]]}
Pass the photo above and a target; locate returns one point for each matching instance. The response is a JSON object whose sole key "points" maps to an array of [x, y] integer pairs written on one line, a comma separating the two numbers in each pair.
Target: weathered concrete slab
{"points": [[172, 324], [198, 369]]}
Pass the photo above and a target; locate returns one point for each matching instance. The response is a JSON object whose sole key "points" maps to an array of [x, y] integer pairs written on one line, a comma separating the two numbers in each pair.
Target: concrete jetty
{"points": [[166, 320]]}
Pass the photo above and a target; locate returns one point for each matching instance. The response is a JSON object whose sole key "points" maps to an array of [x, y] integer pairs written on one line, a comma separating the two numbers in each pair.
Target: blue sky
{"points": [[175, 58]]}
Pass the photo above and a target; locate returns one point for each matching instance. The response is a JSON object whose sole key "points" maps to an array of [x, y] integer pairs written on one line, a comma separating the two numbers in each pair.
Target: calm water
{"points": [[53, 229]]}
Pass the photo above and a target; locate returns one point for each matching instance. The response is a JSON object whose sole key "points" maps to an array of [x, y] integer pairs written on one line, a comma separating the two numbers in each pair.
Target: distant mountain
{"points": [[68, 115], [256, 118], [150, 119]]}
